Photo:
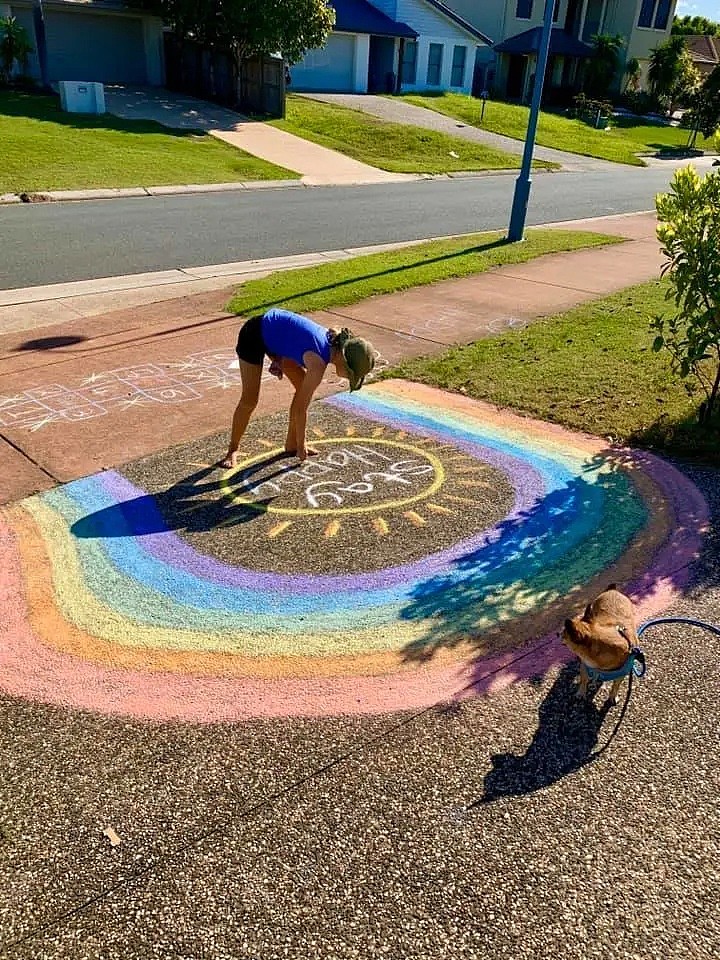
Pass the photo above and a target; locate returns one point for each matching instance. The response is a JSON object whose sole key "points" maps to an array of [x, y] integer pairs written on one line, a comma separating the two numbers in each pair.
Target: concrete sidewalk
{"points": [[55, 359], [317, 165]]}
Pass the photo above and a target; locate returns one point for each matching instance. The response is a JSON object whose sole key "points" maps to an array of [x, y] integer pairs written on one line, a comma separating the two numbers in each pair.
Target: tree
{"points": [[689, 232], [705, 108], [602, 67], [672, 76], [246, 28], [632, 74], [695, 27], [15, 47]]}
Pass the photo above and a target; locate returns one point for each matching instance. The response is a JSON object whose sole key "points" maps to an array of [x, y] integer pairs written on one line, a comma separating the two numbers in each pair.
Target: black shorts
{"points": [[250, 345]]}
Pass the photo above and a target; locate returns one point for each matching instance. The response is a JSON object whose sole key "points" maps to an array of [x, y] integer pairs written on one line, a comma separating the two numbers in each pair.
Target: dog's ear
{"points": [[587, 616], [570, 628], [612, 586]]}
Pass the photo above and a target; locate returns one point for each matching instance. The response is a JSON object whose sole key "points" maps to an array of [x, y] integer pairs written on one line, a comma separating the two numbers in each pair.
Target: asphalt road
{"points": [[57, 242]]}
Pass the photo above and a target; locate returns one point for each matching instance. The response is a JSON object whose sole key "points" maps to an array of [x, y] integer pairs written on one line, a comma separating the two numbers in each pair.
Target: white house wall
{"points": [[432, 27]]}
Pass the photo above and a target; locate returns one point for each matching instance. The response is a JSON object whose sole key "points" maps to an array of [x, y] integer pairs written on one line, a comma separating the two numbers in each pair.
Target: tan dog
{"points": [[602, 637]]}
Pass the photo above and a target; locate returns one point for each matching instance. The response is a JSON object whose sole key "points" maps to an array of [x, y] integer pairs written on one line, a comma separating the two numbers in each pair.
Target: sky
{"points": [[699, 8]]}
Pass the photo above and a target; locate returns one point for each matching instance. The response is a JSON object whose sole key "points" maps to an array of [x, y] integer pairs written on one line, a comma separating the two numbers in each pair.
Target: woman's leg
{"points": [[251, 374]]}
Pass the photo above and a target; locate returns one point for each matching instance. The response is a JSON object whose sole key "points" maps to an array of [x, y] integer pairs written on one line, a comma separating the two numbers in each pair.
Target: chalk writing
{"points": [[356, 480]]}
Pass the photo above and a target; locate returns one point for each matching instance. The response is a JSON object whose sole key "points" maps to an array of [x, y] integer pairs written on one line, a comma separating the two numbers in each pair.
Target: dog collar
{"points": [[635, 664]]}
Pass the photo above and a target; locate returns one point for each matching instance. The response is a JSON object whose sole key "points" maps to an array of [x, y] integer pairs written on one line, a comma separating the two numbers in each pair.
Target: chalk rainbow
{"points": [[147, 626]]}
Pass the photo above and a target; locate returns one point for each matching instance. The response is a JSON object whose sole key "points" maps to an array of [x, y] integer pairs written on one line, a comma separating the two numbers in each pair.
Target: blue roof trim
{"points": [[456, 18], [359, 16], [561, 43]]}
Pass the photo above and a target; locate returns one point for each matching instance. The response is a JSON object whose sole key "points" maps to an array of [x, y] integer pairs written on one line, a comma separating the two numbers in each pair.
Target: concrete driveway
{"points": [[316, 165]]}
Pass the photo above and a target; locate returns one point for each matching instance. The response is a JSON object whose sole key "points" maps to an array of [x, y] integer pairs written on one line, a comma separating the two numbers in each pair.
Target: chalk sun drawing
{"points": [[427, 552]]}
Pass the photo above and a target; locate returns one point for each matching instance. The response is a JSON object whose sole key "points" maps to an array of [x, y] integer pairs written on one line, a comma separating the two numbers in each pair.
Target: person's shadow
{"points": [[196, 503], [564, 741]]}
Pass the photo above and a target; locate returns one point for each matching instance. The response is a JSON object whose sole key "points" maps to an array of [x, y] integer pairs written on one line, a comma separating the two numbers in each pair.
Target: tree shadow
{"points": [[565, 740], [522, 583], [43, 106], [183, 506]]}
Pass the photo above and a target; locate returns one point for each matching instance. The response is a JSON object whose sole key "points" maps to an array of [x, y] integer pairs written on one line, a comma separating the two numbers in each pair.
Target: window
{"points": [[556, 11], [663, 14], [434, 64], [646, 13], [523, 10], [654, 14], [408, 70], [457, 75]]}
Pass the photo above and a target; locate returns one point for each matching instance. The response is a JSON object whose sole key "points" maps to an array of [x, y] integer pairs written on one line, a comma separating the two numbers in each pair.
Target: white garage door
{"points": [[329, 68]]}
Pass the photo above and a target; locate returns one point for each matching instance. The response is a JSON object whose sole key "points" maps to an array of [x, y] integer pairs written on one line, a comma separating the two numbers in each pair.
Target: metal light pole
{"points": [[524, 181], [41, 41]]}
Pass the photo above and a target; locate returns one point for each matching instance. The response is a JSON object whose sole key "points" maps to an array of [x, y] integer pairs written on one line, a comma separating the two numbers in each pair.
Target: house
{"points": [[93, 40], [392, 45], [515, 26], [705, 53]]}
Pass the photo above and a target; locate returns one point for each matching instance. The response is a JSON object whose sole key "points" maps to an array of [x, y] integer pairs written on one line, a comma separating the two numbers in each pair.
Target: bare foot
{"points": [[306, 452], [230, 461]]}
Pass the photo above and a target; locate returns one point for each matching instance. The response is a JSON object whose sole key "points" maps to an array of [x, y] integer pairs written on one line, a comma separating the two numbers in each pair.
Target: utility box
{"points": [[78, 97]]}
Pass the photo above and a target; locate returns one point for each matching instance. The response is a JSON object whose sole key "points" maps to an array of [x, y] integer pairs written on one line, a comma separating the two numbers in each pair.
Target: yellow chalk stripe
{"points": [[415, 518], [332, 528], [268, 444], [317, 432], [380, 526], [378, 431], [351, 431], [436, 508]]}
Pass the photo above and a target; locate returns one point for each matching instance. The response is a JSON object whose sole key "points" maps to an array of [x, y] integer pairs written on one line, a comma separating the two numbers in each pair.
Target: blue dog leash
{"points": [[635, 664]]}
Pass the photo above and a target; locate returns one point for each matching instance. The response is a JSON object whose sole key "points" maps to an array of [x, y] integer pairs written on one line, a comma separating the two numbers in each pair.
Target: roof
{"points": [[359, 16], [561, 43], [704, 49], [460, 21]]}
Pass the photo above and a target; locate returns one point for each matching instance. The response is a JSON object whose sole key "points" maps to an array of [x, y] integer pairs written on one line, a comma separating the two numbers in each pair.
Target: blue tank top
{"points": [[290, 335]]}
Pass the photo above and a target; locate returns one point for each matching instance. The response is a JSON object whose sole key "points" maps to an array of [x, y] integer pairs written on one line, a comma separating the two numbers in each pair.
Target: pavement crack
{"points": [[29, 458]]}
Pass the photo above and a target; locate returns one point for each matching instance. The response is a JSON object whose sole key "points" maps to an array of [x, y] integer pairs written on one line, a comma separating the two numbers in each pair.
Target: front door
{"points": [[516, 77], [381, 65]]}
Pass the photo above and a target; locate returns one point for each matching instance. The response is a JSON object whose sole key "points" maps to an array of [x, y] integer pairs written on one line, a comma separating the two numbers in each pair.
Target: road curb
{"points": [[117, 193]]}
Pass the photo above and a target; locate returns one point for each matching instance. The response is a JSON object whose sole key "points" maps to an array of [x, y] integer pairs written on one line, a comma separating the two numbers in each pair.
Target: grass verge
{"points": [[395, 147], [591, 369], [621, 144], [349, 281], [44, 148]]}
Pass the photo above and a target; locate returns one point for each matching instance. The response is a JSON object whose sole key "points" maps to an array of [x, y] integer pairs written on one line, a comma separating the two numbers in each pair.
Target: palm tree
{"points": [[671, 73], [601, 69], [15, 47], [632, 74]]}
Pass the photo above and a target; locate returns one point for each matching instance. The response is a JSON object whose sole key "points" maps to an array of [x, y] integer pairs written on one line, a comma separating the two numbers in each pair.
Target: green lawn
{"points": [[621, 144], [591, 369], [390, 146], [349, 281], [44, 148]]}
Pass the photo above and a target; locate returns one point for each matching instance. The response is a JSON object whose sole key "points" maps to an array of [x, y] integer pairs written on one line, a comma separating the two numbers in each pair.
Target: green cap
{"points": [[359, 358]]}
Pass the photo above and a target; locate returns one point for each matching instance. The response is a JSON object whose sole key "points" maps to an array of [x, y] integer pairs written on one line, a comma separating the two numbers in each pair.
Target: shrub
{"points": [[689, 231]]}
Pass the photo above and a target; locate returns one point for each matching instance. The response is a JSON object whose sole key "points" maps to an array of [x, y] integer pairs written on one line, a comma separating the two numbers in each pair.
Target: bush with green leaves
{"points": [[15, 47], [689, 232]]}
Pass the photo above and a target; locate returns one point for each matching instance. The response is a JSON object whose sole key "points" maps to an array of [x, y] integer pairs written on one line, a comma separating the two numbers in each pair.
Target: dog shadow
{"points": [[565, 740]]}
